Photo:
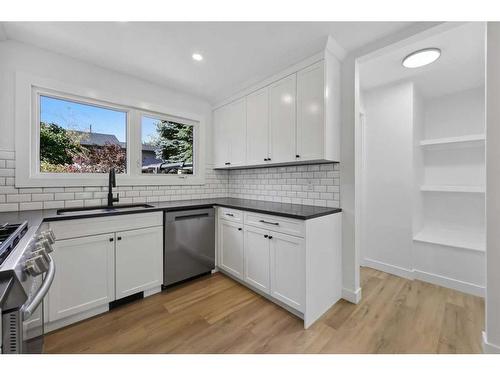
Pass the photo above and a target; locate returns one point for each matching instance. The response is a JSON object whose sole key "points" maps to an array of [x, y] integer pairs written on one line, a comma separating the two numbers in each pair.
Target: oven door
{"points": [[32, 313]]}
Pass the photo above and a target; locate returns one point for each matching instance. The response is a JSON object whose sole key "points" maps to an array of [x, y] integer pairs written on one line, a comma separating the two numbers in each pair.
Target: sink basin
{"points": [[101, 209]]}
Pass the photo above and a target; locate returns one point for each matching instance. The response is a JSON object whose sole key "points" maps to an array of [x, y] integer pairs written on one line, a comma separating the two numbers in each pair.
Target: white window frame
{"points": [[29, 88]]}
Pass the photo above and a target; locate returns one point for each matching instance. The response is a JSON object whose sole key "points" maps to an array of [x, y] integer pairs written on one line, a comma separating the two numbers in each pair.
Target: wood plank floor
{"points": [[217, 315]]}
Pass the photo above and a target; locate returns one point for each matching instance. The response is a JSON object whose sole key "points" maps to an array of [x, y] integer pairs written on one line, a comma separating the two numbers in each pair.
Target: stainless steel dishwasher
{"points": [[189, 246]]}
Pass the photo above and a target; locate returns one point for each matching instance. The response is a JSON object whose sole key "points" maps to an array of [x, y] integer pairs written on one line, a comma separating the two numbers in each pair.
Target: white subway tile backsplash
{"points": [[316, 184]]}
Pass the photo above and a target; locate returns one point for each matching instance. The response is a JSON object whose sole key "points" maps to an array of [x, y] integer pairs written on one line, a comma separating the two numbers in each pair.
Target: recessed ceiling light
{"points": [[197, 57], [421, 57]]}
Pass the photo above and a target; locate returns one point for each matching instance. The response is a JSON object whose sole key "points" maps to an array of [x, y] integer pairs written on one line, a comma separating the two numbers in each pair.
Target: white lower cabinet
{"points": [[139, 260], [231, 247], [93, 270], [85, 276], [287, 269], [257, 258], [294, 263]]}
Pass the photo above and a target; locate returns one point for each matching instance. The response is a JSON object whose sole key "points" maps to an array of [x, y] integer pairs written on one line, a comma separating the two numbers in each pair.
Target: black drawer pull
{"points": [[268, 222], [111, 239], [266, 236], [228, 214], [227, 163], [297, 156], [119, 238], [240, 228], [270, 237]]}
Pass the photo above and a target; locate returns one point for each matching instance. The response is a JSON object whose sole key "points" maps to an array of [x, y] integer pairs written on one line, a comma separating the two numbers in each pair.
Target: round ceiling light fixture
{"points": [[421, 57], [197, 57]]}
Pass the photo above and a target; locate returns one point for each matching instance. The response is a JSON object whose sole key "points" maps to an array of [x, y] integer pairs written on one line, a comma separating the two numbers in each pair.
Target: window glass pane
{"points": [[167, 147], [81, 138]]}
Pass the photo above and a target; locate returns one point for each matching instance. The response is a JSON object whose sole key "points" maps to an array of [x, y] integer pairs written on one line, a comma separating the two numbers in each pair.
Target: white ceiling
{"points": [[461, 65], [236, 54]]}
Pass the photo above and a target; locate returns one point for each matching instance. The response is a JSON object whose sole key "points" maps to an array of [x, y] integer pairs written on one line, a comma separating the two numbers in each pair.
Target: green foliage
{"points": [[174, 142], [57, 145]]}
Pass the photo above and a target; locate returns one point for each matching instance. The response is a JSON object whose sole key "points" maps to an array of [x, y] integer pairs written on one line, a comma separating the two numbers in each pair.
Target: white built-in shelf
{"points": [[465, 139], [463, 239], [453, 188]]}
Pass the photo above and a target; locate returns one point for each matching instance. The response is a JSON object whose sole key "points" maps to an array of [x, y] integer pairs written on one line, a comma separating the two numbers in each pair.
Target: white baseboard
{"points": [[489, 348], [389, 268], [462, 286], [353, 296], [447, 282]]}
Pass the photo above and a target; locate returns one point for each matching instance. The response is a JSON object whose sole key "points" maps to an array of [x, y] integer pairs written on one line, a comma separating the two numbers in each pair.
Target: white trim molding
{"points": [[488, 347], [353, 296], [415, 274], [28, 90]]}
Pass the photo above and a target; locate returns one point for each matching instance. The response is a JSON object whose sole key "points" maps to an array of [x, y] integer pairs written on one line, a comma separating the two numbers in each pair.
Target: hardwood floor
{"points": [[217, 315]]}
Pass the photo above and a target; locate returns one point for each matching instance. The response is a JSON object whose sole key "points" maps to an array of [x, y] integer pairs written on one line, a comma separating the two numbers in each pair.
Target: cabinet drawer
{"points": [[276, 223], [230, 214], [73, 228]]}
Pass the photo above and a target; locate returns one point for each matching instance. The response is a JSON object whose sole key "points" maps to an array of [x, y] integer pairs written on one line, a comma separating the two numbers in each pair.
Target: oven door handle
{"points": [[42, 292]]}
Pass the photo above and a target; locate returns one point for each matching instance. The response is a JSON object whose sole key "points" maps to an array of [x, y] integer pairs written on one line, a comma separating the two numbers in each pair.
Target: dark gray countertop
{"points": [[295, 211]]}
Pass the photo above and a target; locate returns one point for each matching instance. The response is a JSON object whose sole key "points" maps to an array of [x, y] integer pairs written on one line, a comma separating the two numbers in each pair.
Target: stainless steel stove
{"points": [[26, 273]]}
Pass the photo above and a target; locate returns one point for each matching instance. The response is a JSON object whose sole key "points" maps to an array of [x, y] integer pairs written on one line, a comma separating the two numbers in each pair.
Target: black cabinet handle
{"points": [[268, 159], [227, 214], [270, 237], [111, 239], [227, 163], [119, 238], [239, 228], [265, 236], [268, 222], [297, 156], [265, 159]]}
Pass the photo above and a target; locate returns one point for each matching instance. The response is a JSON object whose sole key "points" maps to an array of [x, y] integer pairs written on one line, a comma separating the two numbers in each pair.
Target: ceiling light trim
{"points": [[419, 52]]}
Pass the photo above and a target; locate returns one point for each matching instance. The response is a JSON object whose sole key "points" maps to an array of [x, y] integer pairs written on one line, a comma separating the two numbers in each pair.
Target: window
{"points": [[72, 136], [81, 138], [167, 146]]}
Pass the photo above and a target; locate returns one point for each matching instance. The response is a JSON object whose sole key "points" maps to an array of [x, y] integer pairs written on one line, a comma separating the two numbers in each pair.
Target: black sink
{"points": [[102, 209]]}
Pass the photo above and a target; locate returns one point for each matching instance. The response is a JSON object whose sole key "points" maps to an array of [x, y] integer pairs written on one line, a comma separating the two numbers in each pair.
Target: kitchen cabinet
{"points": [[257, 258], [85, 277], [282, 120], [139, 260], [258, 127], [100, 260], [310, 113], [287, 269], [294, 263], [231, 247], [293, 120], [230, 134]]}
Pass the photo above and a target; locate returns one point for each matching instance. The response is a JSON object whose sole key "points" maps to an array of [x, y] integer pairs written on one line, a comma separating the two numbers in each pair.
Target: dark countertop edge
{"points": [[193, 206], [282, 214]]}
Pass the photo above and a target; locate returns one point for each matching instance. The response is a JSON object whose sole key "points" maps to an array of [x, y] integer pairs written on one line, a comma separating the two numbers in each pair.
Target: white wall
{"points": [[16, 56], [492, 337], [388, 176]]}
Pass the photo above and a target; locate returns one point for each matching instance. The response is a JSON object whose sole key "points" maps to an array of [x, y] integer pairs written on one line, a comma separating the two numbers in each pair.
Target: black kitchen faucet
{"points": [[112, 184]]}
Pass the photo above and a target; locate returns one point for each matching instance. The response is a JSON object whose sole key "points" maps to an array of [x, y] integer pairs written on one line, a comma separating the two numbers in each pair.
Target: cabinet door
{"points": [[221, 137], [282, 120], [258, 127], [257, 258], [311, 113], [237, 132], [288, 264], [139, 260], [231, 247], [84, 275]]}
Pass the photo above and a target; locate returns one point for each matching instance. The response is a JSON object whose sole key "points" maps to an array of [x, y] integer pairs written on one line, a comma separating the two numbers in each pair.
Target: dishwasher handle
{"points": [[192, 216]]}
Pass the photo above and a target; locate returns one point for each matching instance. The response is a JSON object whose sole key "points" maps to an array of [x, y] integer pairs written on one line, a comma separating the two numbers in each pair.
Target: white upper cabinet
{"points": [[221, 136], [258, 127], [237, 133], [230, 134], [282, 119], [310, 113], [292, 120]]}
